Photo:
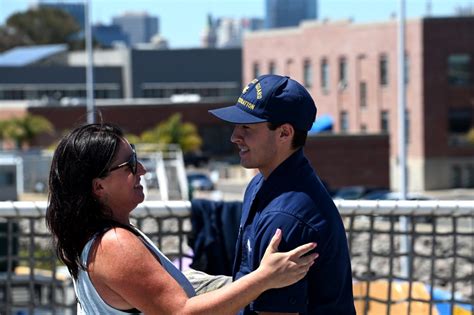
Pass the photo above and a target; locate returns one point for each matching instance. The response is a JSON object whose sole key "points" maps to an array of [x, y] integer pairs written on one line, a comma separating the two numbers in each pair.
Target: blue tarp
{"points": [[322, 123], [442, 300]]}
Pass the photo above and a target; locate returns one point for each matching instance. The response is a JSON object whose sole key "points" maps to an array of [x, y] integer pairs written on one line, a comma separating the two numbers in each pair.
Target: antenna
{"points": [[428, 8]]}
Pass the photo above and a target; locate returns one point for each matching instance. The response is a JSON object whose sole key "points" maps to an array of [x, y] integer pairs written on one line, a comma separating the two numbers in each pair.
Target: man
{"points": [[272, 118]]}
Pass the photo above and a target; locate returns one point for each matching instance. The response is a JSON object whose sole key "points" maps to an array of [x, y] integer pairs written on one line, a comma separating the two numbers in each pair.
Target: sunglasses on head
{"points": [[132, 162]]}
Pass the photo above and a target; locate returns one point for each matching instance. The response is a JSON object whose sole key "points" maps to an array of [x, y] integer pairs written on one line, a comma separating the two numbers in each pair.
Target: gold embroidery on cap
{"points": [[248, 85], [259, 91], [246, 103]]}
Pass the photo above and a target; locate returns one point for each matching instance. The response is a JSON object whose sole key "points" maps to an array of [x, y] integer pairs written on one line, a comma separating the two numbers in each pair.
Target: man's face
{"points": [[257, 146]]}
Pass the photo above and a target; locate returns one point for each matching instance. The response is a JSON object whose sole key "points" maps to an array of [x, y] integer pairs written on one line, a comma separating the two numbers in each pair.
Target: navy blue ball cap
{"points": [[271, 98]]}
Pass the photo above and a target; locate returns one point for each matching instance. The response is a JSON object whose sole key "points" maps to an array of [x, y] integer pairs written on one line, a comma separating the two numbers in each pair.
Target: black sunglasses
{"points": [[132, 162]]}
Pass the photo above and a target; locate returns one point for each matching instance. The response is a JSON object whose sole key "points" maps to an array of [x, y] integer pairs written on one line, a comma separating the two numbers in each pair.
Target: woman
{"points": [[94, 184]]}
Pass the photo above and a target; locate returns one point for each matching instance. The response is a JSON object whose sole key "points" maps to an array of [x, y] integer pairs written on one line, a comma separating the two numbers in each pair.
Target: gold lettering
{"points": [[259, 91], [246, 103]]}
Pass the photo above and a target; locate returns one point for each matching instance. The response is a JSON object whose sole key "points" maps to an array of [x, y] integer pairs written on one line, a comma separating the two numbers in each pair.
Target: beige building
{"points": [[351, 71]]}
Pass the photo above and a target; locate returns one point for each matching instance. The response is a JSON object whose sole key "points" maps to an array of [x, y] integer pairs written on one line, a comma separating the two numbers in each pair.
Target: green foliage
{"points": [[470, 136], [24, 129], [133, 138], [10, 37], [38, 26], [174, 131]]}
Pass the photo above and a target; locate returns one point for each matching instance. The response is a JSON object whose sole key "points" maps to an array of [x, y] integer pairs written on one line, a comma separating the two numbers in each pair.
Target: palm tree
{"points": [[174, 131], [23, 130]]}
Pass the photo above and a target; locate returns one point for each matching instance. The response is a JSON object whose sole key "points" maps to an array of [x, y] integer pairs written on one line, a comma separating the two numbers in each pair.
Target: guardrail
{"points": [[440, 255]]}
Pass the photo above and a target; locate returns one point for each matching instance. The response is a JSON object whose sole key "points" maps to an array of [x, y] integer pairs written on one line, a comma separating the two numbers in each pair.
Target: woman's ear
{"points": [[97, 187]]}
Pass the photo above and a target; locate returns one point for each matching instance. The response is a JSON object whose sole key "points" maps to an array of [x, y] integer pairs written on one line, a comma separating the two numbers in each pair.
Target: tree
{"points": [[43, 25], [10, 37], [174, 131], [23, 130]]}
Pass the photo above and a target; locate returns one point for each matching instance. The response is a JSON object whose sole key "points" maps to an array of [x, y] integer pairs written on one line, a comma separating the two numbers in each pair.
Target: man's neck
{"points": [[282, 157]]}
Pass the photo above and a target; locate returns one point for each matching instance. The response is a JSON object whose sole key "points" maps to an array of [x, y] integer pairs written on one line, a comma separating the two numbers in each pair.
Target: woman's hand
{"points": [[283, 269]]}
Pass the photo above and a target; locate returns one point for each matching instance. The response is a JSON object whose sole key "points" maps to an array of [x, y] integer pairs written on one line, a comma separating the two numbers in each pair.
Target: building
{"points": [[351, 71], [138, 26], [230, 31], [209, 36], [181, 74], [284, 13], [109, 35], [226, 32]]}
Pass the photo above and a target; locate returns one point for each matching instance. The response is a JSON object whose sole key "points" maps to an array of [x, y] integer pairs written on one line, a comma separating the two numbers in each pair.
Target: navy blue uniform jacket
{"points": [[294, 199]]}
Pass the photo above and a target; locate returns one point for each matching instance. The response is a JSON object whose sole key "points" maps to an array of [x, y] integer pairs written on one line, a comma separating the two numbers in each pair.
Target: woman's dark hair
{"points": [[73, 214], [299, 139]]}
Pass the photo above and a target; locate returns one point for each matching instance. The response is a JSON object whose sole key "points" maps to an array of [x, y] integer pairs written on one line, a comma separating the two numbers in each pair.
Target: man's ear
{"points": [[286, 132], [97, 187]]}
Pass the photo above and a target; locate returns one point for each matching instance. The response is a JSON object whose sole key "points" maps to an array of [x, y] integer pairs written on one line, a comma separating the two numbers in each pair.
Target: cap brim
{"points": [[235, 115]]}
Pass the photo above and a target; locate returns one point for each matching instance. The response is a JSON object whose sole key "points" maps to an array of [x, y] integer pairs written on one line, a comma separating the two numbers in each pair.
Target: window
{"points": [[460, 120], [363, 94], [384, 122], [342, 73], [383, 70], [7, 179], [272, 67], [256, 70], [363, 128], [289, 67], [344, 121], [456, 176], [407, 127], [324, 75], [308, 74], [459, 69], [470, 176], [407, 69]]}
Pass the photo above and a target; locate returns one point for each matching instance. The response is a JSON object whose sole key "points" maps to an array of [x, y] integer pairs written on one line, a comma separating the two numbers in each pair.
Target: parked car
{"points": [[377, 194], [394, 195], [200, 181], [354, 192]]}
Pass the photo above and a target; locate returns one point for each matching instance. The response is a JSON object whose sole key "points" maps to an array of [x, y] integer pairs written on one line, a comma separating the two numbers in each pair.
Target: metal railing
{"points": [[441, 255]]}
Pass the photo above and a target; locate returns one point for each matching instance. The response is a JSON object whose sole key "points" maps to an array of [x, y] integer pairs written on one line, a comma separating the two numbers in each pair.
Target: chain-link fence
{"points": [[421, 265]]}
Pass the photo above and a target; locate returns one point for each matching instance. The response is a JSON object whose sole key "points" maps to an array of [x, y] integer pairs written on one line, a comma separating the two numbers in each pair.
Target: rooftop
{"points": [[26, 55]]}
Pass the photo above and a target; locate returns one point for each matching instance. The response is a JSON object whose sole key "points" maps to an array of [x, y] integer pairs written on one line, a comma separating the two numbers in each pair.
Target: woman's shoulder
{"points": [[117, 237]]}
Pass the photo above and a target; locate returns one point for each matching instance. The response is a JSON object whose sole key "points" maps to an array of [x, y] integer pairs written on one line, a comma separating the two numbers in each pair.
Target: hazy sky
{"points": [[182, 21]]}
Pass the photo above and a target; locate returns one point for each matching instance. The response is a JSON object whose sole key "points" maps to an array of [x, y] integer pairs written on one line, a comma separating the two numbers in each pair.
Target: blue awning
{"points": [[25, 55], [322, 123]]}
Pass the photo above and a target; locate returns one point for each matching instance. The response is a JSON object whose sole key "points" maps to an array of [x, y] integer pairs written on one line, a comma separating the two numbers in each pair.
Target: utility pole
{"points": [[90, 65], [402, 150]]}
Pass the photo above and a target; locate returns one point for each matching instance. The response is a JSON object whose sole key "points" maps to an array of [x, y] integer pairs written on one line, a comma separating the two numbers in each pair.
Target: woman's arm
{"points": [[127, 275]]}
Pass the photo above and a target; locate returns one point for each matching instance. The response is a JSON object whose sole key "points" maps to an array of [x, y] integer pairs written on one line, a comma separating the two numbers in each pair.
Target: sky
{"points": [[182, 21]]}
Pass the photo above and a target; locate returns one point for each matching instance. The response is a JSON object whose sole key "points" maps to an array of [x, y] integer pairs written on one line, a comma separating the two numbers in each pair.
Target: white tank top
{"points": [[89, 300]]}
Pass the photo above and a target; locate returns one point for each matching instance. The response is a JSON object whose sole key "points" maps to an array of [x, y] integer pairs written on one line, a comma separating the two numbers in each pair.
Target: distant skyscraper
{"points": [[284, 13], [209, 37], [138, 26], [76, 10], [228, 32], [109, 35]]}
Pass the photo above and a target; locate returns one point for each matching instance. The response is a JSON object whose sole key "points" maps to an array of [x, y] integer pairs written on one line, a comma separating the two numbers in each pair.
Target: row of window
{"points": [[166, 92], [55, 94], [384, 123], [343, 81], [459, 72]]}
